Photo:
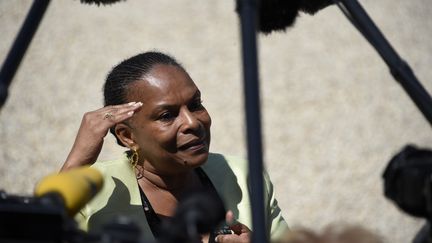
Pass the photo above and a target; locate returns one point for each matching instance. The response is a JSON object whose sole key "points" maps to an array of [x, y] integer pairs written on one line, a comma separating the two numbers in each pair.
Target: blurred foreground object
{"points": [[27, 219], [75, 187], [47, 217], [198, 213], [408, 182]]}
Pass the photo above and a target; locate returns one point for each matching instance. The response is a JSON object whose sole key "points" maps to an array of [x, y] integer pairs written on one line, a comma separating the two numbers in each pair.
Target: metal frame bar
{"points": [[400, 70], [20, 45], [247, 10]]}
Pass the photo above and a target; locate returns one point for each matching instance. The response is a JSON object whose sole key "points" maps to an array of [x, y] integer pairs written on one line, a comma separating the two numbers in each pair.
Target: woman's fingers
{"points": [[241, 232], [97, 123], [234, 238], [229, 217], [118, 113], [94, 127]]}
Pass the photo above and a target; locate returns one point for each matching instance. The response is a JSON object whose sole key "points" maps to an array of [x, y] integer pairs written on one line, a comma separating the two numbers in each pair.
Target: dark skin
{"points": [[167, 125], [171, 131]]}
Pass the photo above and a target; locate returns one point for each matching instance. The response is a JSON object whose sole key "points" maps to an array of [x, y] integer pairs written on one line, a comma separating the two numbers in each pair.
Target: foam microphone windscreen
{"points": [[201, 211], [76, 187], [277, 15]]}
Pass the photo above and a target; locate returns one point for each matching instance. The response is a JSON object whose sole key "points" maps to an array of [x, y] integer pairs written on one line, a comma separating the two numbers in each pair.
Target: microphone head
{"points": [[408, 181], [205, 209], [277, 15], [201, 211], [76, 187]]}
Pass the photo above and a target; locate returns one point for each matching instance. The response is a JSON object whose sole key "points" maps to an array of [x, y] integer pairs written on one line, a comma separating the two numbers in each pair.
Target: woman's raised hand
{"points": [[94, 127]]}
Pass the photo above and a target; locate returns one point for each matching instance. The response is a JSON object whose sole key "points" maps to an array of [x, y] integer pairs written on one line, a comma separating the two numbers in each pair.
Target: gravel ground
{"points": [[332, 114]]}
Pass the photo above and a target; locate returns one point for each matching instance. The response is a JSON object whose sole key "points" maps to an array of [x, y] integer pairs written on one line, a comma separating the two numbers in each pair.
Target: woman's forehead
{"points": [[164, 82], [162, 75]]}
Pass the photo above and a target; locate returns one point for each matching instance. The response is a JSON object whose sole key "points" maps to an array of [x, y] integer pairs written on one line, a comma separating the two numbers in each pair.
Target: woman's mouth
{"points": [[193, 145]]}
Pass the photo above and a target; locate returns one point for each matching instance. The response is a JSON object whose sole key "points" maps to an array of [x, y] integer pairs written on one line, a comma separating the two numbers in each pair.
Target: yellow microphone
{"points": [[76, 187]]}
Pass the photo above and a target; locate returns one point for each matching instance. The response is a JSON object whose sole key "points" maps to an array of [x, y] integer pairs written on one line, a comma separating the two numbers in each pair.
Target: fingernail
{"points": [[138, 104], [130, 113], [132, 103], [216, 240]]}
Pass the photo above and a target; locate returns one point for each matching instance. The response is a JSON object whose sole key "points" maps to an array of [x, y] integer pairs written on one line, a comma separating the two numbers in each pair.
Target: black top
{"points": [[153, 219]]}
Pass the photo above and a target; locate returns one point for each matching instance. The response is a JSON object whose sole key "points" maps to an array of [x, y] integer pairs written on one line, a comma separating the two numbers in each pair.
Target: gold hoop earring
{"points": [[133, 159]]}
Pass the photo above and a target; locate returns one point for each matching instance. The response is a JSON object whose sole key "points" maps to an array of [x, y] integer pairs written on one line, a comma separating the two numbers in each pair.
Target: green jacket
{"points": [[120, 195]]}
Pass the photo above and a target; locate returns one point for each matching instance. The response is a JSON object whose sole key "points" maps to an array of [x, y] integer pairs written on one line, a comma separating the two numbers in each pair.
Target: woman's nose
{"points": [[190, 121]]}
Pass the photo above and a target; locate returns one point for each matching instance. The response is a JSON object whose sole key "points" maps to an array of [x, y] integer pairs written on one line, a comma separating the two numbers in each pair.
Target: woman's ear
{"points": [[124, 134]]}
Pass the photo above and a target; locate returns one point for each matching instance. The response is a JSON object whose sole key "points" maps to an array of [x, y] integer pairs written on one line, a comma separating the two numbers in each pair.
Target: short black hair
{"points": [[129, 71]]}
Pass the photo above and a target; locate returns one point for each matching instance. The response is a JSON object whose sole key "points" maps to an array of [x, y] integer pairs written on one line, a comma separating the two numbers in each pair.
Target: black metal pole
{"points": [[247, 10], [20, 46], [400, 70]]}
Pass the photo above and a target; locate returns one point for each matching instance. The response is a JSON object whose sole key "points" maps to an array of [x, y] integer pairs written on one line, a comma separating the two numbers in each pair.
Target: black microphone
{"points": [[274, 15], [408, 181], [198, 213], [47, 217]]}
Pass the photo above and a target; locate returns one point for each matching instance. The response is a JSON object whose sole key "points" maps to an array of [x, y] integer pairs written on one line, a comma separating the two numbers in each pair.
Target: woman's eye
{"points": [[166, 116], [196, 105]]}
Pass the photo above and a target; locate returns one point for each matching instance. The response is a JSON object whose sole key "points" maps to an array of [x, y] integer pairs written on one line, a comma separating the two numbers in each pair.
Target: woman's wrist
{"points": [[71, 163]]}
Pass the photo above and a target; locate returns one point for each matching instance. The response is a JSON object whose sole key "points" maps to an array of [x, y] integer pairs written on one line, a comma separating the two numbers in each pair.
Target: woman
{"points": [[153, 107]]}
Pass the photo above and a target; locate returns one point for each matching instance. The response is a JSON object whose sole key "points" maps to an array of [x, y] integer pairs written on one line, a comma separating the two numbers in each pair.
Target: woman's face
{"points": [[172, 128]]}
